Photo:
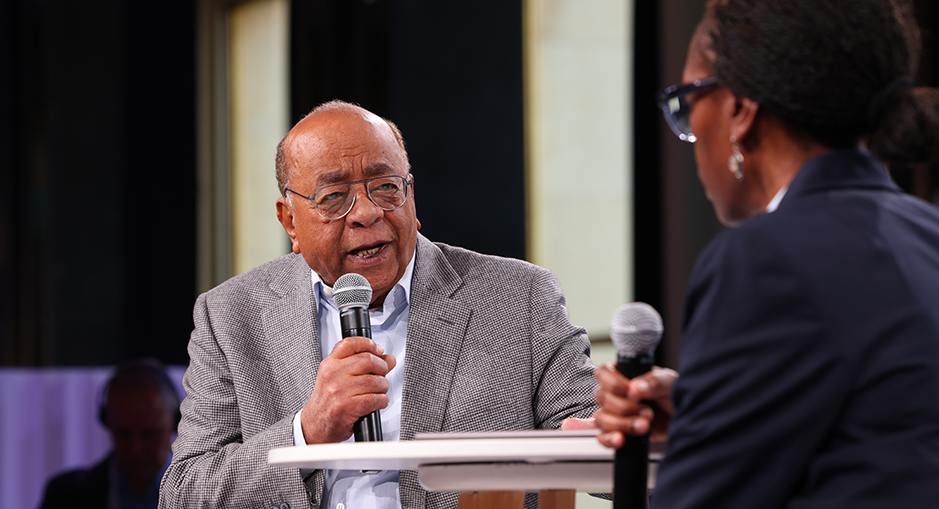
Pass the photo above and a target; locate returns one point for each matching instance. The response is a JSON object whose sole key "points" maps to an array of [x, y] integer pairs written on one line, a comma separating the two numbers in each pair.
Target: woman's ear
{"points": [[743, 118]]}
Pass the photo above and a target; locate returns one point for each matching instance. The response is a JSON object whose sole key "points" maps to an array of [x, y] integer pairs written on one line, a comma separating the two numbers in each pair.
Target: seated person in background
{"points": [[462, 341], [140, 409]]}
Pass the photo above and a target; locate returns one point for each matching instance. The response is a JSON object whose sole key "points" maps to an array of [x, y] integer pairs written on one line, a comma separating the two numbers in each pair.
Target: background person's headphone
{"points": [[144, 371]]}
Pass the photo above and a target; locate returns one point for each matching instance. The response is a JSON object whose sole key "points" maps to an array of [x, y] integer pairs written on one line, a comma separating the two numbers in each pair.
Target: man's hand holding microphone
{"points": [[350, 386]]}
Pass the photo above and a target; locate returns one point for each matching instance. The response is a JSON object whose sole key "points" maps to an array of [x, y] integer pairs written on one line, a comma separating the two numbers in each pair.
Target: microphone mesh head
{"points": [[352, 290], [636, 329]]}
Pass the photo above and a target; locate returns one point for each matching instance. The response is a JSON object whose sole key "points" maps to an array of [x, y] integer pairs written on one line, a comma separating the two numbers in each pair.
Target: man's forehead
{"points": [[334, 147], [325, 176], [331, 163]]}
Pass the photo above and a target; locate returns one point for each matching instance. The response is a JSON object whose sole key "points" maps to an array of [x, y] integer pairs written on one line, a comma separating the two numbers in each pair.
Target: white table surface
{"points": [[499, 461]]}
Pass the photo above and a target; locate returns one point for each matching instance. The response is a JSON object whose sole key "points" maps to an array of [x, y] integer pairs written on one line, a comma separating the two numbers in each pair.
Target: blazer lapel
{"points": [[292, 333], [436, 328]]}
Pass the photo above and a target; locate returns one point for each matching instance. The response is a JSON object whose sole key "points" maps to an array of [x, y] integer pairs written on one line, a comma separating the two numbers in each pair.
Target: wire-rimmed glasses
{"points": [[334, 201]]}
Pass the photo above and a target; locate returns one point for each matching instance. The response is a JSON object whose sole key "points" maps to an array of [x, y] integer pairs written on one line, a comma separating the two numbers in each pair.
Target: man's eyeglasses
{"points": [[335, 201], [677, 109]]}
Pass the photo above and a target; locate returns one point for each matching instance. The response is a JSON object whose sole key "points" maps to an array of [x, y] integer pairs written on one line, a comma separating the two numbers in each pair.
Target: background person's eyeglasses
{"points": [[336, 200], [677, 109]]}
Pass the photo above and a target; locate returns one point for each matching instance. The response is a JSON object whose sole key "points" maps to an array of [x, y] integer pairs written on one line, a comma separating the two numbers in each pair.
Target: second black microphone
{"points": [[352, 294], [635, 331]]}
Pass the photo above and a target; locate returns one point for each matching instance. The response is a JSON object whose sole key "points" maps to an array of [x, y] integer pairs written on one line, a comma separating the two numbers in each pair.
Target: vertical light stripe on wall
{"points": [[259, 86], [578, 56]]}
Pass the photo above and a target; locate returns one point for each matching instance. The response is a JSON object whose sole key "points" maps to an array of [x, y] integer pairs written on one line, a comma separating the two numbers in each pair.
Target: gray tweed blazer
{"points": [[490, 347]]}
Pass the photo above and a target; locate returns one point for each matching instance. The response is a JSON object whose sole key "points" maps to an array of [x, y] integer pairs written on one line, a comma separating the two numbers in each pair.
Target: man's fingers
{"points": [[368, 364], [364, 404], [355, 345], [390, 360], [574, 423], [360, 355]]}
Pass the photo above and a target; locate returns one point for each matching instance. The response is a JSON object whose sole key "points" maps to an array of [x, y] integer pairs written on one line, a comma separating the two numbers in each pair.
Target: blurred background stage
{"points": [[136, 165]]}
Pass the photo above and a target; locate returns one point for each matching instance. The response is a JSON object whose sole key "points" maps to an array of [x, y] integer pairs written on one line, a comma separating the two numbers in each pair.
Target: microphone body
{"points": [[354, 321], [635, 331], [631, 462], [352, 299]]}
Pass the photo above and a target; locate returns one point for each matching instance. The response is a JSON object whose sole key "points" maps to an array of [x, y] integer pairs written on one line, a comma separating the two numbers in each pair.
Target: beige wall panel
{"points": [[259, 112], [578, 111]]}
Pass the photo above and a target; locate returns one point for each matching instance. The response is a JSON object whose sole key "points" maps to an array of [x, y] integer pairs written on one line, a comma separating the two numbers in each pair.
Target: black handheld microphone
{"points": [[635, 330], [352, 294]]}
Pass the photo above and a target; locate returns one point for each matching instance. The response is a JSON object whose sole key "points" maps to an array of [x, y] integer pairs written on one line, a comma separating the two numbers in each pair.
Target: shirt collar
{"points": [[774, 203], [323, 293]]}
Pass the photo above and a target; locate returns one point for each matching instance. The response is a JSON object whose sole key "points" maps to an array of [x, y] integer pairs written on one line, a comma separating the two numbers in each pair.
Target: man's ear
{"points": [[286, 218], [743, 120], [414, 197]]}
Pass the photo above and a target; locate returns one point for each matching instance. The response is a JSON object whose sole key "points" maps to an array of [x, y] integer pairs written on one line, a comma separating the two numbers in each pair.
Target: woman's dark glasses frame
{"points": [[677, 109]]}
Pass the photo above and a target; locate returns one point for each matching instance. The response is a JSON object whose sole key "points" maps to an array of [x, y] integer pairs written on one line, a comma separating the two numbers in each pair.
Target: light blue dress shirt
{"points": [[353, 489]]}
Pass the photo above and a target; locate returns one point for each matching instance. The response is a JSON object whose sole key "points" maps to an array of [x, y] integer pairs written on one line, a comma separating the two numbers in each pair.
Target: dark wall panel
{"points": [[159, 167], [102, 220], [11, 213], [647, 180], [457, 95], [82, 142]]}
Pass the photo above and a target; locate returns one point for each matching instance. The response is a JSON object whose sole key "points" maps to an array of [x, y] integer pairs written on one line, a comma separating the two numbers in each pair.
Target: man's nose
{"points": [[364, 211]]}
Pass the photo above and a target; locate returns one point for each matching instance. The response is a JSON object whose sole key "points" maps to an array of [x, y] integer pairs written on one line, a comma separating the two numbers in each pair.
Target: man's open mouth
{"points": [[365, 253]]}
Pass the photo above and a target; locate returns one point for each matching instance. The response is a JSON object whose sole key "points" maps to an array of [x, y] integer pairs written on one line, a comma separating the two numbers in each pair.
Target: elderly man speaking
{"points": [[462, 341]]}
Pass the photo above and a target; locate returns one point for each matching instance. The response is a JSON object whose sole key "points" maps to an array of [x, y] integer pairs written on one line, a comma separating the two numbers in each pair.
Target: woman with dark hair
{"points": [[810, 351]]}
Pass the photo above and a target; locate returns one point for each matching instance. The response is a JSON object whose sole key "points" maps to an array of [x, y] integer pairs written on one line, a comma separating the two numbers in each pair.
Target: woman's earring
{"points": [[735, 163]]}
